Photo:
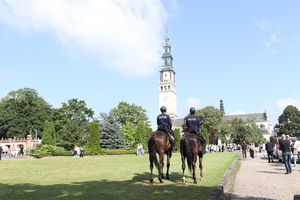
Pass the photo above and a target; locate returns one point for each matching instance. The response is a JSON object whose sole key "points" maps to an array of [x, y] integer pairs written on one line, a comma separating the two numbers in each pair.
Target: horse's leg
{"points": [[200, 166], [161, 166], [151, 174], [194, 168], [161, 162], [168, 164], [183, 168]]}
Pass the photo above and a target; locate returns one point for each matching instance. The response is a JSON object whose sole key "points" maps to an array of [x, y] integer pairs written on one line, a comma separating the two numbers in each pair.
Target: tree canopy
{"points": [[21, 111], [131, 113], [110, 131], [289, 122]]}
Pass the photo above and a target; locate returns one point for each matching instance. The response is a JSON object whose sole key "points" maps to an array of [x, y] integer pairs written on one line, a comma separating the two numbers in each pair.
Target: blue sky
{"points": [[104, 52]]}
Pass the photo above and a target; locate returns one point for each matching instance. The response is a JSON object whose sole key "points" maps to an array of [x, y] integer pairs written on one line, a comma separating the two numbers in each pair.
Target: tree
{"points": [[142, 133], [77, 110], [289, 122], [21, 111], [49, 134], [110, 131], [178, 137], [206, 136], [78, 114], [210, 118], [94, 137], [244, 130], [72, 134], [129, 131], [131, 113]]}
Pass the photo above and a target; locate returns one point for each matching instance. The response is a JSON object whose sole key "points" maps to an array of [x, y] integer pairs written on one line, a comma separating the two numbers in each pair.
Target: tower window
{"points": [[165, 87], [161, 88], [169, 87]]}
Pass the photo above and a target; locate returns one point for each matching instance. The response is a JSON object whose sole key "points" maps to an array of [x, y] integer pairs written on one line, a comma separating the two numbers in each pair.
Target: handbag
{"points": [[295, 152]]}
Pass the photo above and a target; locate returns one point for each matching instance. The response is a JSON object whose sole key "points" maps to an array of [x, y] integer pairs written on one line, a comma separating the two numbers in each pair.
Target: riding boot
{"points": [[203, 140]]}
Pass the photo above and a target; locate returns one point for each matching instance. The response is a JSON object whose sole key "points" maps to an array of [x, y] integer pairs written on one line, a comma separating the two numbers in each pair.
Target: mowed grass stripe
{"points": [[115, 177]]}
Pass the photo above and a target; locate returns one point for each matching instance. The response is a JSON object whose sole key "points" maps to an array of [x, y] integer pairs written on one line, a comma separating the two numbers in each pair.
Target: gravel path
{"points": [[258, 179]]}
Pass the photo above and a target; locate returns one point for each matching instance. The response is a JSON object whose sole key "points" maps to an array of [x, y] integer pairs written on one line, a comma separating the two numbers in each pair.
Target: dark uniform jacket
{"points": [[192, 122], [164, 120], [269, 146], [285, 146]]}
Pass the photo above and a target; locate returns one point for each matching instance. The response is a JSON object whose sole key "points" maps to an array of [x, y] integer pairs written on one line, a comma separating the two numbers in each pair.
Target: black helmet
{"points": [[192, 110], [163, 109]]}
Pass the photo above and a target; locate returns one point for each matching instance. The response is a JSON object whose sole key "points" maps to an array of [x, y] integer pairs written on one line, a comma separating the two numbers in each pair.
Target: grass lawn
{"points": [[115, 177]]}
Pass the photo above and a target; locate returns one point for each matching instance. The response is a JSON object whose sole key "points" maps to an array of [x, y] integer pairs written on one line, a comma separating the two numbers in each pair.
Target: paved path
{"points": [[258, 179]]}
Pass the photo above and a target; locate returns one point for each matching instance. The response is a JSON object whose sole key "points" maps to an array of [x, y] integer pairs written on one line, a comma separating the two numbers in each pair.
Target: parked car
{"points": [[278, 152]]}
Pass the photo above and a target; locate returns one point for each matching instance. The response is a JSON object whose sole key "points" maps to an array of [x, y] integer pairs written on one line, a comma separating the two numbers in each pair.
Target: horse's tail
{"points": [[152, 151], [188, 151]]}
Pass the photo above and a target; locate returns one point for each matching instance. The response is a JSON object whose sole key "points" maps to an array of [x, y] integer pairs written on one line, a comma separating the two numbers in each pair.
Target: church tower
{"points": [[167, 85]]}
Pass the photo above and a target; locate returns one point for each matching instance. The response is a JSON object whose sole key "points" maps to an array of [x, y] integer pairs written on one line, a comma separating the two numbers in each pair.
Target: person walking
{"points": [[244, 150], [0, 152], [251, 150], [21, 152], [297, 147], [285, 146], [81, 151], [270, 150]]}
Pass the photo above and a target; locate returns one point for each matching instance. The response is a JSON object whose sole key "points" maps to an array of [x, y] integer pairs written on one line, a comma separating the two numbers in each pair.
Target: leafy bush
{"points": [[46, 150]]}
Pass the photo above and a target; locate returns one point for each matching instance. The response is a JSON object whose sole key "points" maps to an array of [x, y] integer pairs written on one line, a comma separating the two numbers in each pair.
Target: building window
{"points": [[169, 87], [161, 88]]}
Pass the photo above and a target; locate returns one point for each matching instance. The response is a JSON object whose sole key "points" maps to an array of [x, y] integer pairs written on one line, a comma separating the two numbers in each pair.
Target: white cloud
{"points": [[272, 40], [8, 73], [192, 102], [238, 112], [294, 101], [272, 28], [125, 35]]}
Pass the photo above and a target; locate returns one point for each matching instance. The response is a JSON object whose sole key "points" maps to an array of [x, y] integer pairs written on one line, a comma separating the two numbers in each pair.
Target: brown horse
{"points": [[159, 143], [190, 148]]}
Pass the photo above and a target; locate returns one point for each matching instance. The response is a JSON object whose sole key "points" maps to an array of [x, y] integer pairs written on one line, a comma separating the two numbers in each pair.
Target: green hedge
{"points": [[48, 150]]}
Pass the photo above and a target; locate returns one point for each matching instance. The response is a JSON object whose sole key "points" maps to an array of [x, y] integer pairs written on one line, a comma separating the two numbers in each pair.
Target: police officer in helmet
{"points": [[193, 125], [164, 123]]}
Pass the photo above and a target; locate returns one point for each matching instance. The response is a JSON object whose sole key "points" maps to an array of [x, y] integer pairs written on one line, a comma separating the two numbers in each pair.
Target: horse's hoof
{"points": [[195, 182], [168, 177]]}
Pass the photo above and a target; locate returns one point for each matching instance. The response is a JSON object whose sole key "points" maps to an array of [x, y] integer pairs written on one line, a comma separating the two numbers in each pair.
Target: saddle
{"points": [[167, 130]]}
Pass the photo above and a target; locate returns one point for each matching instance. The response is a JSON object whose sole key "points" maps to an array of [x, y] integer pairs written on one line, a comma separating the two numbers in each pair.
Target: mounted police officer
{"points": [[193, 124], [164, 123]]}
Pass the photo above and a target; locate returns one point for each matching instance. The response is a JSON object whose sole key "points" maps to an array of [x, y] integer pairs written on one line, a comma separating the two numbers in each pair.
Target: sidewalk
{"points": [[258, 179]]}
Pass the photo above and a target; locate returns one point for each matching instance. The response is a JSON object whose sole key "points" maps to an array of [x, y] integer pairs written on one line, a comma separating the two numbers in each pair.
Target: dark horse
{"points": [[190, 148], [159, 143]]}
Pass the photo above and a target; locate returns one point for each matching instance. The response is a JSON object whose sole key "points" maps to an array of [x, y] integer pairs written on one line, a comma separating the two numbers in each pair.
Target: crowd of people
{"points": [[290, 151], [14, 151]]}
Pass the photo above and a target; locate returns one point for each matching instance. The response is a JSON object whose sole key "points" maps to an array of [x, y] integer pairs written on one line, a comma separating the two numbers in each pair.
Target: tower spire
{"points": [[167, 85], [167, 57]]}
